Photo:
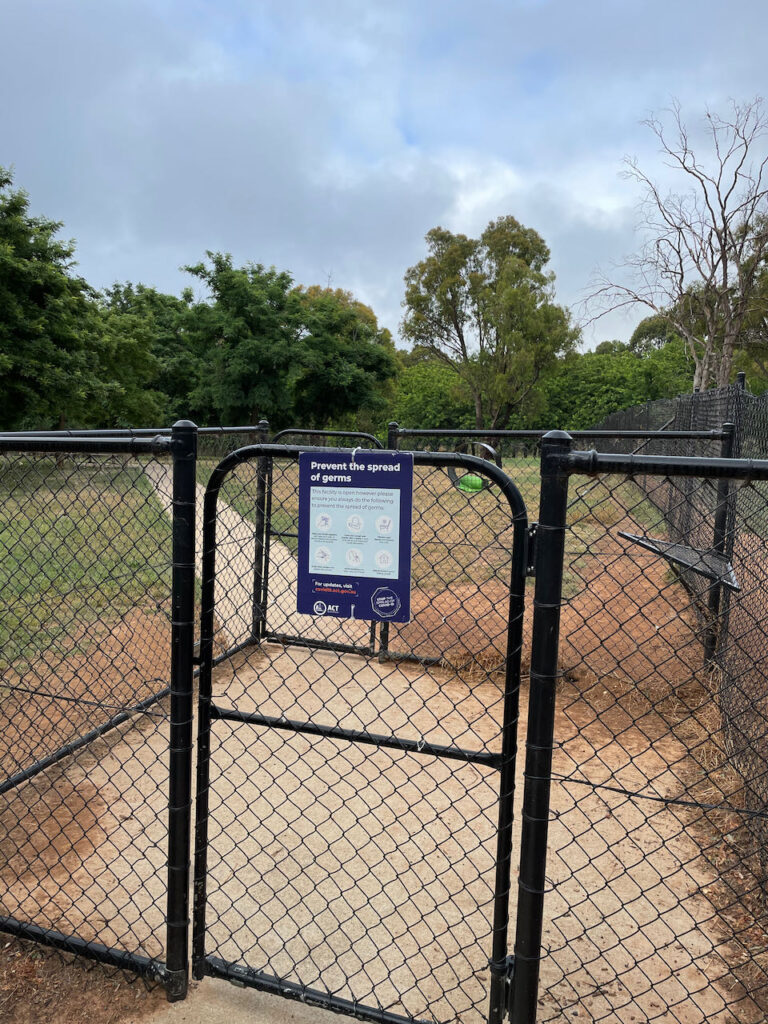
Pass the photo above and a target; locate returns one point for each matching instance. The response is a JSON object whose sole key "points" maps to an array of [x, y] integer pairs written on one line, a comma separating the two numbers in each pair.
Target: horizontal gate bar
{"points": [[536, 435], [92, 950], [357, 736], [308, 432], [232, 651], [322, 645], [85, 445], [418, 659], [216, 968]]}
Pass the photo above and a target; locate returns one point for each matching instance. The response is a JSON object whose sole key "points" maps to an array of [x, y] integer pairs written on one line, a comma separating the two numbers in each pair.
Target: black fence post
{"points": [[541, 722], [184, 449], [259, 599], [393, 436], [719, 544]]}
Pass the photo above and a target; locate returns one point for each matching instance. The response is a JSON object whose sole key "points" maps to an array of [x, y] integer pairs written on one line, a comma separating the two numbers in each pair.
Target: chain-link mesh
{"points": [[85, 573], [361, 871], [656, 906]]}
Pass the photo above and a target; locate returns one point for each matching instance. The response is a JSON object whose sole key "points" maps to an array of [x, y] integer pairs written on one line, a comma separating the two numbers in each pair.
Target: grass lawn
{"points": [[81, 540]]}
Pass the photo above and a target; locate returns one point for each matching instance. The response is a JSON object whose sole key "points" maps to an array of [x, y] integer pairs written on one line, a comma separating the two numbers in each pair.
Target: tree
{"points": [[295, 355], [49, 352], [585, 388], [249, 337], [347, 358], [430, 394], [128, 367], [652, 333], [705, 249], [172, 364], [485, 308]]}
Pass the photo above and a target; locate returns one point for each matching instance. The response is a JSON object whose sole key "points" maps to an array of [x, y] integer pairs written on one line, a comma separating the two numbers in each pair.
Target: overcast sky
{"points": [[327, 137]]}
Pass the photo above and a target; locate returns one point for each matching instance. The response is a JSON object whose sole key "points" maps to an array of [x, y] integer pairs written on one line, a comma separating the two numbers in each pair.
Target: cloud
{"points": [[328, 137]]}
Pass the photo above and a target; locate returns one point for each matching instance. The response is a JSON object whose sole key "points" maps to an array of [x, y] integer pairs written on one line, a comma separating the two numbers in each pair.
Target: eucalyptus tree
{"points": [[485, 307]]}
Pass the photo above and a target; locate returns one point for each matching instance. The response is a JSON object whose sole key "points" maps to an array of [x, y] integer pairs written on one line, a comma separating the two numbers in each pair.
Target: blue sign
{"points": [[355, 534]]}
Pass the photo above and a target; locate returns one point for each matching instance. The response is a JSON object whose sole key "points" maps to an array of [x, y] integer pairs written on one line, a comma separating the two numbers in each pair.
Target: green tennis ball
{"points": [[471, 484]]}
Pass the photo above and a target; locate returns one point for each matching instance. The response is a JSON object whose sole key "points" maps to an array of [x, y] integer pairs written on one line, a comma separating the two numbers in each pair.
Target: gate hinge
{"points": [[502, 973], [530, 558]]}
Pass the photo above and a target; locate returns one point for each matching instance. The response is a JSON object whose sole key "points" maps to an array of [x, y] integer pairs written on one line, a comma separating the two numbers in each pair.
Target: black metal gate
{"points": [[354, 815]]}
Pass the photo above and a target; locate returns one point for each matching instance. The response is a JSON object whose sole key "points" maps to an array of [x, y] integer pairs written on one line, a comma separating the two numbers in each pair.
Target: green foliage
{"points": [[48, 353], [432, 394], [249, 337], [348, 359], [159, 324], [295, 355], [585, 388], [485, 308]]}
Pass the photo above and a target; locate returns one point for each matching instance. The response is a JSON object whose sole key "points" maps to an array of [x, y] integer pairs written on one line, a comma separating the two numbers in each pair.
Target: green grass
{"points": [[78, 542]]}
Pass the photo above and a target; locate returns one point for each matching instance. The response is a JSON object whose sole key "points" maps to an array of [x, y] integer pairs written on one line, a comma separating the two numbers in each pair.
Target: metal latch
{"points": [[509, 978]]}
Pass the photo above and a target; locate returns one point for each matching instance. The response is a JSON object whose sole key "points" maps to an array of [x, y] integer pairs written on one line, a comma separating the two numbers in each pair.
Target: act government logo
{"points": [[319, 607]]}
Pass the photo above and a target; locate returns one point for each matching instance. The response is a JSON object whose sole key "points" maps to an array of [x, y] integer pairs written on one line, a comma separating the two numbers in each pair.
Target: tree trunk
{"points": [[726, 359], [479, 419], [703, 376]]}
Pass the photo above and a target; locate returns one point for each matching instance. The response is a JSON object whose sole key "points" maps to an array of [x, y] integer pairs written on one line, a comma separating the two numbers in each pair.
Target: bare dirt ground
{"points": [[39, 987], [100, 670], [369, 872]]}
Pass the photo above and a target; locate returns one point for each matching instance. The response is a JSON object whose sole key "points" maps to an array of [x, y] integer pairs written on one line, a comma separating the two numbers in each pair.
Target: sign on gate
{"points": [[355, 534]]}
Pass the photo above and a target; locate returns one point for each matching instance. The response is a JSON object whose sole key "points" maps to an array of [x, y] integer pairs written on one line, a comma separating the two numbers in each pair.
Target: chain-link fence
{"points": [[90, 544], [354, 828], [728, 520], [653, 883]]}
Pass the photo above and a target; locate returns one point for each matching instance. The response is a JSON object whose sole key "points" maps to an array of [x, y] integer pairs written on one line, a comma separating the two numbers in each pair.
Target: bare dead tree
{"points": [[705, 246]]}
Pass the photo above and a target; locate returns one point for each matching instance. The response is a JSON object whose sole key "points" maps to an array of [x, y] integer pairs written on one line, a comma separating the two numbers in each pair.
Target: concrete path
{"points": [[216, 1002]]}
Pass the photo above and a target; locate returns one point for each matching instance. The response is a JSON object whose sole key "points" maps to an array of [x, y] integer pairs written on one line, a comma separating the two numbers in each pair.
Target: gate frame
{"points": [[500, 962]]}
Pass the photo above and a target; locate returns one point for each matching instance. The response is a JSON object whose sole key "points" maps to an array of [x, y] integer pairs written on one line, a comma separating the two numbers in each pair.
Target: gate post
{"points": [[184, 449], [541, 721], [393, 435], [259, 599], [719, 544]]}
